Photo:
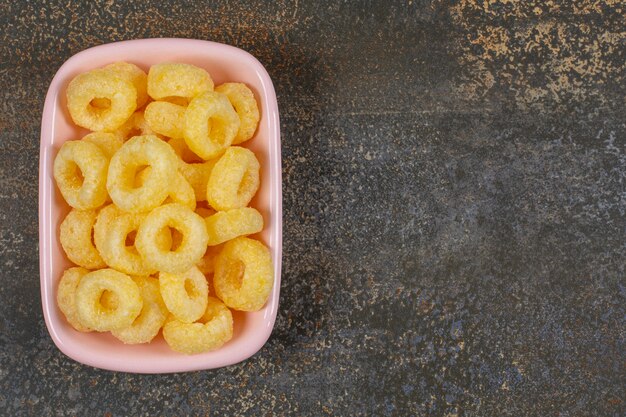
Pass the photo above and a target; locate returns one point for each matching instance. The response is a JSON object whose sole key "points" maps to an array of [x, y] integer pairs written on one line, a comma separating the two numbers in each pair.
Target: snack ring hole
{"points": [[108, 300], [190, 289], [100, 104], [74, 175], [130, 239]]}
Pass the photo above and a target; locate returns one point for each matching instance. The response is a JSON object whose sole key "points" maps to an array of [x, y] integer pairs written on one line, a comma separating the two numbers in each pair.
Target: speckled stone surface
{"points": [[454, 209]]}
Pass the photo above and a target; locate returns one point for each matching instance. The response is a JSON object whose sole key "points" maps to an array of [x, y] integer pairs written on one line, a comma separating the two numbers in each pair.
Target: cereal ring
{"points": [[227, 225], [109, 143], [101, 99], [177, 80], [136, 125], [192, 247], [244, 274], [117, 248], [105, 218], [80, 171], [134, 155], [135, 75], [66, 296], [214, 328], [242, 99], [152, 317], [120, 310], [211, 124], [75, 235], [165, 118], [234, 179], [185, 295]]}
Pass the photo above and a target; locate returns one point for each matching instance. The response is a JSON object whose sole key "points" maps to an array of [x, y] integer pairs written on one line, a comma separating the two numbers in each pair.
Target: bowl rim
{"points": [[46, 193]]}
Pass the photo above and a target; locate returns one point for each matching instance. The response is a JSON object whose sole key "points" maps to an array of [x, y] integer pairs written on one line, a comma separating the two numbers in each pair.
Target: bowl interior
{"points": [[224, 63]]}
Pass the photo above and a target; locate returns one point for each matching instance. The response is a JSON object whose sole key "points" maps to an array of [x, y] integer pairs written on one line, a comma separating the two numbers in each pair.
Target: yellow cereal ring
{"points": [[186, 294], [80, 171], [165, 118], [211, 124], [242, 99], [152, 317], [105, 218], [244, 274], [75, 235], [177, 80], [185, 221], [182, 150], [206, 265], [101, 99], [120, 310], [66, 296], [227, 225], [136, 125], [234, 179], [135, 75], [109, 143], [136, 154], [214, 328], [118, 248]]}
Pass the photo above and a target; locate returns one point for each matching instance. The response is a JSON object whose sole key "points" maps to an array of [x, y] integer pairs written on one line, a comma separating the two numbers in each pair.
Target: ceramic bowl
{"points": [[224, 63]]}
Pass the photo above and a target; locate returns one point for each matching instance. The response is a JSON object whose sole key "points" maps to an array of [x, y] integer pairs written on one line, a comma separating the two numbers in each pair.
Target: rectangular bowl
{"points": [[224, 63]]}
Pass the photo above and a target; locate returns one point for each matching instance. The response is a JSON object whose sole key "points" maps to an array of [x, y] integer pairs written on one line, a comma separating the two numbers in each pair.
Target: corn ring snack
{"points": [[211, 124], [101, 99], [214, 328], [165, 118], [152, 317], [185, 295], [136, 76], [75, 235], [244, 276], [117, 247], [137, 153], [123, 300], [109, 143], [242, 99], [227, 225], [80, 171], [177, 80], [66, 296], [187, 223], [105, 219], [234, 179]]}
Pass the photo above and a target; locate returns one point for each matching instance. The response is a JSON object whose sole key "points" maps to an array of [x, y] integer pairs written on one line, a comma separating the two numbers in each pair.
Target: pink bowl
{"points": [[224, 63]]}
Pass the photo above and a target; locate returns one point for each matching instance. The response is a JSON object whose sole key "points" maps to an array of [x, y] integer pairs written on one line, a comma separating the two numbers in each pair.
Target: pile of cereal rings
{"points": [[159, 194]]}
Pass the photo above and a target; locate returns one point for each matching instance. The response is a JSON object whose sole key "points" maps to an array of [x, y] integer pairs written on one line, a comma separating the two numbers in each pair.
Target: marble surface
{"points": [[453, 209]]}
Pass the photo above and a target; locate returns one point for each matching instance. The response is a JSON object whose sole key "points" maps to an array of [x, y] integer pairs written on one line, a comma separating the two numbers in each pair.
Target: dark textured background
{"points": [[454, 204]]}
